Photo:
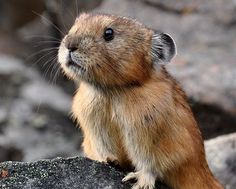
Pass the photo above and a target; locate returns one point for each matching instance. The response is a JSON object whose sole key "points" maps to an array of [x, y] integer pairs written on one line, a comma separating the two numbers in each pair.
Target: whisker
{"points": [[41, 51], [49, 67], [70, 12], [53, 67], [56, 75], [47, 41], [48, 61], [50, 22], [44, 56], [63, 20], [54, 71], [42, 37], [76, 8], [41, 43]]}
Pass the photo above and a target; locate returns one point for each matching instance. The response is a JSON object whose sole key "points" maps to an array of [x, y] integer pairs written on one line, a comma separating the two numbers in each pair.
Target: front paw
{"points": [[145, 180]]}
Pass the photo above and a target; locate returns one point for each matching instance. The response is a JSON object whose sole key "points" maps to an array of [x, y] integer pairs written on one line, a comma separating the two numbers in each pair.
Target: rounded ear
{"points": [[163, 48]]}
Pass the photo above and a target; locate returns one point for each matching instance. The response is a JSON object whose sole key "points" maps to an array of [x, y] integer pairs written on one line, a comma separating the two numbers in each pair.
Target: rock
{"points": [[3, 116], [221, 156], [79, 172], [223, 13], [11, 78], [57, 137], [10, 65], [178, 6], [72, 173], [33, 114], [39, 92], [213, 120]]}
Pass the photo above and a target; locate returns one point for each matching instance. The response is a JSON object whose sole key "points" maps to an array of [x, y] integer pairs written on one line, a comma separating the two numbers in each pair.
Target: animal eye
{"points": [[108, 34]]}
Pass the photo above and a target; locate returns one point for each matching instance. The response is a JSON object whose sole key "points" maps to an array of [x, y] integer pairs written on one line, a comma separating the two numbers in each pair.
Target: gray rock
{"points": [[10, 65], [80, 172], [176, 6], [221, 156], [33, 115], [72, 173], [3, 115], [35, 144], [41, 132], [40, 92], [221, 11]]}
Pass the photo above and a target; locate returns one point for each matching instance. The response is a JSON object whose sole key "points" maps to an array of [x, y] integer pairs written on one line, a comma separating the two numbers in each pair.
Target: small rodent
{"points": [[129, 108]]}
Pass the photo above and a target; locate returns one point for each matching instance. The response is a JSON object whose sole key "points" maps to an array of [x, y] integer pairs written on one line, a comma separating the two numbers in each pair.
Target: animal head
{"points": [[112, 51]]}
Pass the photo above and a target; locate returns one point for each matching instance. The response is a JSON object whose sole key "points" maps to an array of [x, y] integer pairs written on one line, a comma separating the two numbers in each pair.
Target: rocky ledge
{"points": [[59, 173], [80, 172]]}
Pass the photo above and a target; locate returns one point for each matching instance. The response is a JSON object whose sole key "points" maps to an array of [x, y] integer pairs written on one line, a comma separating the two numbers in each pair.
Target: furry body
{"points": [[129, 108]]}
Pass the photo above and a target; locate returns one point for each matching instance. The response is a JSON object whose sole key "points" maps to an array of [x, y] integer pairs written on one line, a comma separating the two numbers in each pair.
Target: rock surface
{"points": [[79, 172], [72, 173], [221, 156], [34, 119]]}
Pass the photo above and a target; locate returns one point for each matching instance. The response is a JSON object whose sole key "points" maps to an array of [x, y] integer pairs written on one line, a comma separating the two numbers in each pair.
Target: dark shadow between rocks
{"points": [[10, 153], [212, 120]]}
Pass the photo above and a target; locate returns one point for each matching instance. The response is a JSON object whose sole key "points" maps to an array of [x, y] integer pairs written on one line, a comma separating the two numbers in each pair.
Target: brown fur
{"points": [[131, 111]]}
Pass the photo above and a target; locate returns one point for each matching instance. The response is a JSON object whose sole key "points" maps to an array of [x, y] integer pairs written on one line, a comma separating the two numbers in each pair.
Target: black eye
{"points": [[108, 34]]}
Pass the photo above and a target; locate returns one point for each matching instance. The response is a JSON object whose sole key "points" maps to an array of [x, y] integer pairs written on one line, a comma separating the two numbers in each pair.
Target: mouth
{"points": [[75, 67], [71, 63]]}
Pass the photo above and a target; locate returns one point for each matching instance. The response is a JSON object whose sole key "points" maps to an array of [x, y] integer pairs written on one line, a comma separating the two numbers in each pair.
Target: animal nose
{"points": [[72, 48]]}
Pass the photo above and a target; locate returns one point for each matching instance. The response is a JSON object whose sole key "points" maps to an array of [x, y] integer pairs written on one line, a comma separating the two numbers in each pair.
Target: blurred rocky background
{"points": [[35, 97]]}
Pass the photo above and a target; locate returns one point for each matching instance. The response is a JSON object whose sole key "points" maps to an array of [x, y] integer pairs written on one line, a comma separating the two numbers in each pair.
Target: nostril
{"points": [[72, 48]]}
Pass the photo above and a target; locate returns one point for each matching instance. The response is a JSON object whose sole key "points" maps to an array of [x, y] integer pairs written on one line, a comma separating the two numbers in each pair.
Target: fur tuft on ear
{"points": [[163, 48]]}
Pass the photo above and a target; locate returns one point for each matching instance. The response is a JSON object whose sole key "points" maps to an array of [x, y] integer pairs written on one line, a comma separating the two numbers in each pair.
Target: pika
{"points": [[129, 108]]}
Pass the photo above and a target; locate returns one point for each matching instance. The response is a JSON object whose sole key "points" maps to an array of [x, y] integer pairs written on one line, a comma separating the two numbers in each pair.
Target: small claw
{"points": [[145, 180], [131, 175]]}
